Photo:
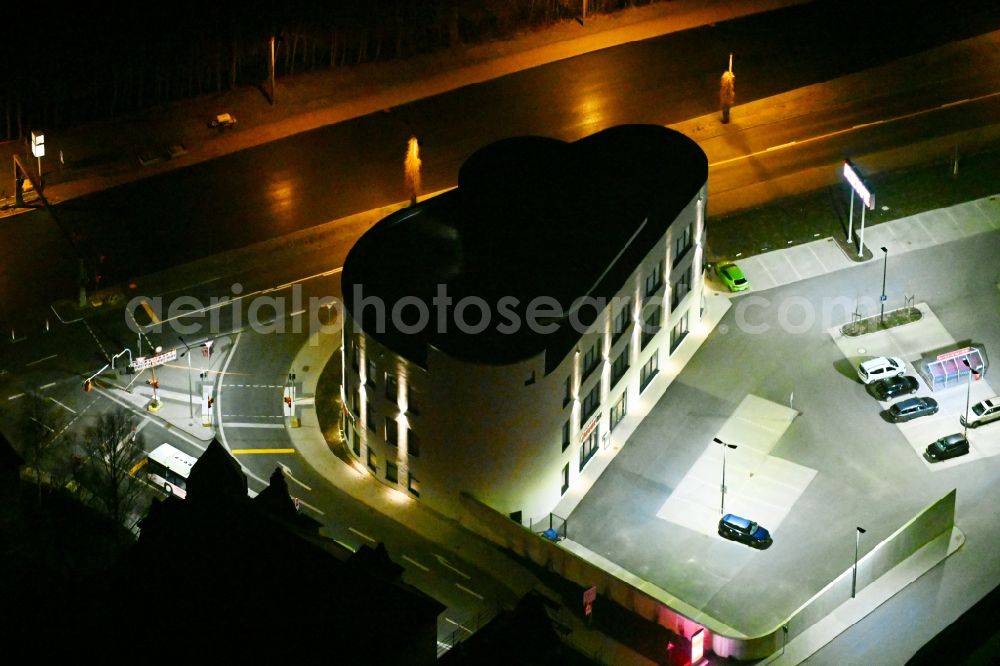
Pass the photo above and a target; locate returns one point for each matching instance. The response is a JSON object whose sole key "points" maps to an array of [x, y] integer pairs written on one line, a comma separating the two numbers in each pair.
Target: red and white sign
{"points": [[955, 354], [591, 424], [589, 596], [144, 362]]}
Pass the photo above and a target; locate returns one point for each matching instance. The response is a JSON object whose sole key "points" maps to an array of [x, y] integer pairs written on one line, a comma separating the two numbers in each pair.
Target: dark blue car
{"points": [[740, 529]]}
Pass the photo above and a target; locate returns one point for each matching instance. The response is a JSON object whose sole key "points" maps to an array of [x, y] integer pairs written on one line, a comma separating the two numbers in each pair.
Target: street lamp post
{"points": [[854, 574], [968, 393], [722, 506], [885, 265], [187, 352]]}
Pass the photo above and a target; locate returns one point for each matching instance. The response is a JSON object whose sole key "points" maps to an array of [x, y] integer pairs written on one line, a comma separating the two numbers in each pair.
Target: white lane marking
{"points": [[447, 564], [42, 424], [345, 545], [288, 473], [297, 313], [254, 425], [231, 301], [97, 340], [62, 405], [362, 534], [458, 624], [465, 589], [311, 507], [49, 385], [41, 360], [415, 563], [218, 393], [16, 396]]}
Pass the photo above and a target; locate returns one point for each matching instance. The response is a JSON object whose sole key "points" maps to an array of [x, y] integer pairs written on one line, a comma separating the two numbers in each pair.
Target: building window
{"points": [[589, 447], [391, 431], [356, 402], [372, 459], [371, 372], [592, 358], [391, 387], [590, 403], [412, 400], [371, 417], [680, 289], [391, 473], [567, 393], [354, 353], [412, 444], [683, 243], [655, 279], [413, 485], [649, 370], [355, 441], [620, 367], [622, 320], [565, 435], [679, 332], [619, 410], [651, 326], [565, 479]]}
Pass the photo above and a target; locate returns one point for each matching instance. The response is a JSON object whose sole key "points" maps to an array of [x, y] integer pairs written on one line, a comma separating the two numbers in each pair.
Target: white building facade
{"points": [[513, 417]]}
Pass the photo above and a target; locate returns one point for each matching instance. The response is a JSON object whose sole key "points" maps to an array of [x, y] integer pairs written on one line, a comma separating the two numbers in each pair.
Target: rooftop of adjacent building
{"points": [[532, 218]]}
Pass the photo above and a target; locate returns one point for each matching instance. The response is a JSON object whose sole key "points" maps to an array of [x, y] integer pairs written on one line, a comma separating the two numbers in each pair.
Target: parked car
{"points": [[732, 276], [893, 387], [950, 446], [911, 408], [223, 121], [986, 411], [736, 528], [880, 368]]}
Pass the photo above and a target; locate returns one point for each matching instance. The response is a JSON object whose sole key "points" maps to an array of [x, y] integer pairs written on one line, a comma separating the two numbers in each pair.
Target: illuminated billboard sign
{"points": [[855, 180]]}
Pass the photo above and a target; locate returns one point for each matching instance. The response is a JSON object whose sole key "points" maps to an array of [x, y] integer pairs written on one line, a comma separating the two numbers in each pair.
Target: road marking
{"points": [[347, 546], [41, 360], [288, 473], [297, 313], [860, 126], [311, 507], [445, 563], [458, 624], [62, 405], [255, 425], [42, 424], [139, 465], [465, 589], [15, 397], [231, 301], [49, 385], [416, 564], [362, 534], [247, 452], [98, 341]]}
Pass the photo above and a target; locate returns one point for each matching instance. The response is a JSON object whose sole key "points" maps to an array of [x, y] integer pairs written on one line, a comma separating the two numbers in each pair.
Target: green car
{"points": [[732, 276]]}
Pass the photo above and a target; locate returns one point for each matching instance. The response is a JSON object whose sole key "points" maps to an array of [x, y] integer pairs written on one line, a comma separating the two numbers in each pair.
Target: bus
{"points": [[168, 468]]}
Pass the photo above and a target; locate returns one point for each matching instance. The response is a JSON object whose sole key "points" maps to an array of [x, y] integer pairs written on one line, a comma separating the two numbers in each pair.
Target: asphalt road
{"points": [[867, 473], [325, 174]]}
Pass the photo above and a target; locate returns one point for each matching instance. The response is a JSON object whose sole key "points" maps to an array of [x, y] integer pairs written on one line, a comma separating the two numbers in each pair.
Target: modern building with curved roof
{"points": [[496, 333]]}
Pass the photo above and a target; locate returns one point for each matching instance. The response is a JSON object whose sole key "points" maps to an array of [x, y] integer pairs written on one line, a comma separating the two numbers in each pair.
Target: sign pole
{"points": [[850, 220]]}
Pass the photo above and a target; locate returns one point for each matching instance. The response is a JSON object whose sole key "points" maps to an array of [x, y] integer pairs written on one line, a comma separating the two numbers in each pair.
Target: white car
{"points": [[881, 367]]}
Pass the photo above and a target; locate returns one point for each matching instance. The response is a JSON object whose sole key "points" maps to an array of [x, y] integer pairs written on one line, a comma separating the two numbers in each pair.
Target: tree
{"points": [[113, 451], [42, 437]]}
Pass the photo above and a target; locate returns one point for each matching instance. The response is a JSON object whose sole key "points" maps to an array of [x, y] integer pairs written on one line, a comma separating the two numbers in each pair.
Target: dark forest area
{"points": [[106, 61]]}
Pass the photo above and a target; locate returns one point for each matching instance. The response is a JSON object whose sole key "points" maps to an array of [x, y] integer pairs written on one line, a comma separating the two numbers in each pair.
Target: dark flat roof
{"points": [[531, 217]]}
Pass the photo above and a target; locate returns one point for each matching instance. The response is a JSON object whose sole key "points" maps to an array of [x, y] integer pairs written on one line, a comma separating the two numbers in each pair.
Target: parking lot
{"points": [[827, 462]]}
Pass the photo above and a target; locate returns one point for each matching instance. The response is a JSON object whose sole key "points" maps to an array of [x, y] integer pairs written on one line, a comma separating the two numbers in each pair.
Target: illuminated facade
{"points": [[496, 334]]}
